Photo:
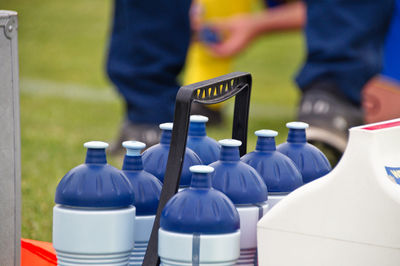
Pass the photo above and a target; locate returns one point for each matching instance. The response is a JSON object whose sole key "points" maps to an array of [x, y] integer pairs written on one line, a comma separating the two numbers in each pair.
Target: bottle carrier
{"points": [[206, 92]]}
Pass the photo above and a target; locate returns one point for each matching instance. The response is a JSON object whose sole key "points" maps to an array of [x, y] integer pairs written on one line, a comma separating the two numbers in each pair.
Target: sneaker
{"points": [[329, 115], [147, 133]]}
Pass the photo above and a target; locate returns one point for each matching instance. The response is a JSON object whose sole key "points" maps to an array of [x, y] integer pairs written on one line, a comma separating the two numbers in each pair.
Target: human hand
{"points": [[236, 33]]}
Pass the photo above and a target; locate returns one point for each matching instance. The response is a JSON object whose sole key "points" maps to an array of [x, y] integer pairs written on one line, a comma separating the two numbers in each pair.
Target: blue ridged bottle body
{"points": [[310, 161], [200, 209], [155, 160], [147, 190], [233, 180], [94, 184], [199, 225], [239, 181], [205, 147], [146, 187], [278, 171]]}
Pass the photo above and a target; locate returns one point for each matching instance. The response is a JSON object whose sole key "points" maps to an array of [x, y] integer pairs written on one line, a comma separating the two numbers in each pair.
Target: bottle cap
{"points": [[297, 125], [166, 126], [95, 145], [230, 142], [266, 133], [201, 169], [198, 119], [133, 148]]}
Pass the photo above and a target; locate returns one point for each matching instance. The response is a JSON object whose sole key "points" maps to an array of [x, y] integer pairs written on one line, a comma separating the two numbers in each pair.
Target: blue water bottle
{"points": [[205, 147], [199, 225], [278, 171], [209, 36], [146, 188], [247, 190], [155, 158], [93, 220], [311, 162]]}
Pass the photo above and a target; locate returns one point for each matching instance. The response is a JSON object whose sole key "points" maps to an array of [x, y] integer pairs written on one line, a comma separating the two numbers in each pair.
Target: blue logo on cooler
{"points": [[393, 173]]}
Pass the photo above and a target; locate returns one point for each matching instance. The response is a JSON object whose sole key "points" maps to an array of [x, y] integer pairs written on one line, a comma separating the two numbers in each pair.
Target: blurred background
{"points": [[66, 98]]}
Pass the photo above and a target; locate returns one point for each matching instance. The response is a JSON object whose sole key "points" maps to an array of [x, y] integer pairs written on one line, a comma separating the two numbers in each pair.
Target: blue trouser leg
{"points": [[148, 47], [391, 67], [344, 43]]}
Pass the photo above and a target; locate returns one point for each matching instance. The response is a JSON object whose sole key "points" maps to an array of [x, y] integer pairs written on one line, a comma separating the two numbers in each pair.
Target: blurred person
{"points": [[344, 40], [381, 95], [200, 63], [147, 51], [148, 46], [239, 31]]}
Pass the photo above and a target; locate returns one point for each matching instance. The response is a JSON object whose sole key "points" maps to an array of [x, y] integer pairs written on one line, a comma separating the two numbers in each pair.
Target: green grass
{"points": [[66, 99]]}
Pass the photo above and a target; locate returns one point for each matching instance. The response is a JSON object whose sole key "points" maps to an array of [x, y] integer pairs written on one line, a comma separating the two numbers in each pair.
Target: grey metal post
{"points": [[10, 144]]}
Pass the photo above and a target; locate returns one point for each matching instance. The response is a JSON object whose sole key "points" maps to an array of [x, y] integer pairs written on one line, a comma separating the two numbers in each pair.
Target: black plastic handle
{"points": [[206, 92]]}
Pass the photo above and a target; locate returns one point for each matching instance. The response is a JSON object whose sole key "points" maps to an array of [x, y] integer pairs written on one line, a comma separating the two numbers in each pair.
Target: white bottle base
{"points": [[249, 216], [274, 199], [247, 257], [143, 227], [87, 236], [70, 259], [177, 249]]}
